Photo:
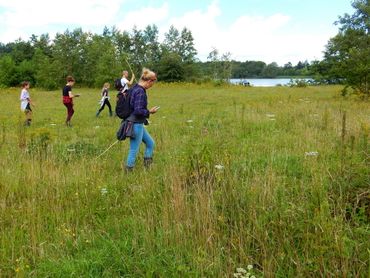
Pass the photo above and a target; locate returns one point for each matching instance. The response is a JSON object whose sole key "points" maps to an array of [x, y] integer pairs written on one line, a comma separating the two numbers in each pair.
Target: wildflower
{"points": [[104, 191], [71, 150], [270, 115], [253, 276], [219, 167], [250, 267], [17, 269], [241, 270], [311, 154], [237, 275], [189, 121], [53, 124]]}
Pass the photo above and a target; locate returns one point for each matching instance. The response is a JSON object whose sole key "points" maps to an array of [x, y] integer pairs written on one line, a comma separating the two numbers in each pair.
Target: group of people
{"points": [[138, 103]]}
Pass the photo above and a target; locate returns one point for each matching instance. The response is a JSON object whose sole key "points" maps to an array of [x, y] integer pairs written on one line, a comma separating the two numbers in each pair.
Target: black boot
{"points": [[128, 169], [148, 162]]}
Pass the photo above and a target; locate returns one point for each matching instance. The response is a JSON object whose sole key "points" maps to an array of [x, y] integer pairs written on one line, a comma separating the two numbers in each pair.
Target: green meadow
{"points": [[274, 178]]}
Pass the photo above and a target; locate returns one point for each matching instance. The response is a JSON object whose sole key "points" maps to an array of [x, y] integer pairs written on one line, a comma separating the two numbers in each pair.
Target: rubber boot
{"points": [[148, 162], [128, 169], [97, 114]]}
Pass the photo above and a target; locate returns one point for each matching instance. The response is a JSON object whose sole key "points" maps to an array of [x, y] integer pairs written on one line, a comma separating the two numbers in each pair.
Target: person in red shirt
{"points": [[68, 99]]}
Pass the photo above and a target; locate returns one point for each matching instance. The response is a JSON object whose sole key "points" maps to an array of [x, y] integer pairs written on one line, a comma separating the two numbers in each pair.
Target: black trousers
{"points": [[106, 102]]}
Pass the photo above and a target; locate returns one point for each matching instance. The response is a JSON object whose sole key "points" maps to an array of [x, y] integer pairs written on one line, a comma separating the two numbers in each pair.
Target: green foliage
{"points": [[8, 71], [347, 55], [171, 68]]}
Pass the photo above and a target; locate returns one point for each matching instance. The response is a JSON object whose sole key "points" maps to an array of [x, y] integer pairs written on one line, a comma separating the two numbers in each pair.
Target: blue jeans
{"points": [[141, 134]]}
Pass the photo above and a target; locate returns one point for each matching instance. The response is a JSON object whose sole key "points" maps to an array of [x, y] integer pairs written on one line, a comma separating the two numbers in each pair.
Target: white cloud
{"points": [[144, 17], [21, 15]]}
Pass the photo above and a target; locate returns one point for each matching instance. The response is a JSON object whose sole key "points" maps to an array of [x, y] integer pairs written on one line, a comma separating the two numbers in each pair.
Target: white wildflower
{"points": [[104, 191], [270, 115], [53, 124], [219, 167], [189, 121], [250, 267], [241, 270], [71, 150], [311, 154]]}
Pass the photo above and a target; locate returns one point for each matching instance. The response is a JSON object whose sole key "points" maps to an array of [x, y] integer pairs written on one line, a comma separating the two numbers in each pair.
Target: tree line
{"points": [[97, 58]]}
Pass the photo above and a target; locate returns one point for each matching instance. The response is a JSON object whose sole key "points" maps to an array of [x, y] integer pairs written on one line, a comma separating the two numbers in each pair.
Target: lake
{"points": [[264, 82]]}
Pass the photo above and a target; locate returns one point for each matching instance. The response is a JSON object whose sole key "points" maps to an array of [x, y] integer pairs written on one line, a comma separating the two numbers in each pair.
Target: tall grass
{"points": [[277, 178]]}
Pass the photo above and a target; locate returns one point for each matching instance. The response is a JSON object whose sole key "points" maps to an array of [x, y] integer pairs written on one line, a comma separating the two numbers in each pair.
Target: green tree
{"points": [[347, 55], [171, 68], [271, 70], [47, 73], [186, 49], [8, 71]]}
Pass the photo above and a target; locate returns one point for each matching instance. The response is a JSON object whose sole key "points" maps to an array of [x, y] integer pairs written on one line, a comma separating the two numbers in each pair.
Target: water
{"points": [[264, 82]]}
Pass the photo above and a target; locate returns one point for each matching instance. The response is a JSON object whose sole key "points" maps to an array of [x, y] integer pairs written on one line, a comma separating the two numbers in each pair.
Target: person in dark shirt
{"points": [[105, 100], [139, 116], [68, 99]]}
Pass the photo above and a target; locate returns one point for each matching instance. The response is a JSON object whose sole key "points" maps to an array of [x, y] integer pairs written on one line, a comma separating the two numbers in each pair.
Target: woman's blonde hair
{"points": [[147, 74], [106, 85]]}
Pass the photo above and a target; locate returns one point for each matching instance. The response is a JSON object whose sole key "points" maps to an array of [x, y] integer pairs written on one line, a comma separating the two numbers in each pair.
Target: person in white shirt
{"points": [[125, 82], [26, 102]]}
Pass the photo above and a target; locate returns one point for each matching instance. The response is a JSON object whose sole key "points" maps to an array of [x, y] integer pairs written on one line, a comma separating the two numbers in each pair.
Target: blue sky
{"points": [[267, 30]]}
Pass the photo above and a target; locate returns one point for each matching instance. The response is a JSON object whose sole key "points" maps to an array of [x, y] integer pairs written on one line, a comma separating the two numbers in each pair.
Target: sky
{"points": [[278, 31]]}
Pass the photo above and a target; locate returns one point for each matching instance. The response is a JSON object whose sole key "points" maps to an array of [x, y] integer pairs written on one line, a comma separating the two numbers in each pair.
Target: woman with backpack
{"points": [[139, 117], [68, 99], [105, 100]]}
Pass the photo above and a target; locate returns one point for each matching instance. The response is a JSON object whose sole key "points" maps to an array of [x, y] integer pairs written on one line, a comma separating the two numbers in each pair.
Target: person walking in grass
{"points": [[139, 118], [26, 102], [68, 99], [105, 100]]}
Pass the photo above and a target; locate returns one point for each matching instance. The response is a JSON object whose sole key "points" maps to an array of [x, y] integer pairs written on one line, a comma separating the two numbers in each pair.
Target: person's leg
{"points": [[101, 108], [135, 145], [149, 147], [70, 113], [110, 108], [149, 144], [28, 113]]}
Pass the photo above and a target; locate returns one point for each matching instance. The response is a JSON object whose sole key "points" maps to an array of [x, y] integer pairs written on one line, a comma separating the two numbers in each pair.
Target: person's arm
{"points": [[132, 80], [30, 101], [139, 104], [72, 95]]}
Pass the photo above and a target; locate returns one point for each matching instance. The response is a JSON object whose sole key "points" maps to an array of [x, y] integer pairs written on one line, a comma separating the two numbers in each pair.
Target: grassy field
{"points": [[276, 178]]}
